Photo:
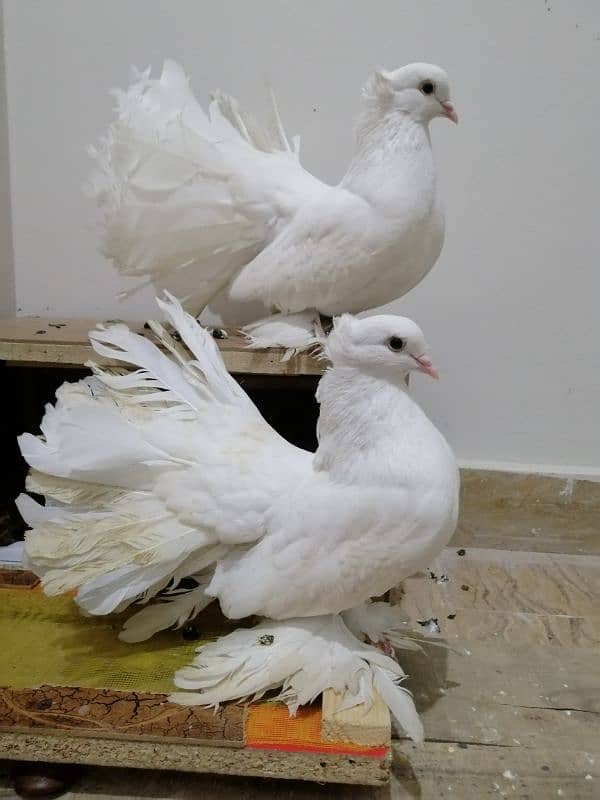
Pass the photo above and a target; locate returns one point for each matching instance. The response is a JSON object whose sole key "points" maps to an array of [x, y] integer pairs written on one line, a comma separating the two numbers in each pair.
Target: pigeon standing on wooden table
{"points": [[214, 205], [169, 472]]}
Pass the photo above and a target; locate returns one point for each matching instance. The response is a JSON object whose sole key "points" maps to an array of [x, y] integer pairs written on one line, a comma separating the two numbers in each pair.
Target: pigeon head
{"points": [[419, 90], [383, 344]]}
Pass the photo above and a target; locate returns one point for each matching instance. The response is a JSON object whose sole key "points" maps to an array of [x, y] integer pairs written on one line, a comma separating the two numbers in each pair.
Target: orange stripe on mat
{"points": [[270, 727]]}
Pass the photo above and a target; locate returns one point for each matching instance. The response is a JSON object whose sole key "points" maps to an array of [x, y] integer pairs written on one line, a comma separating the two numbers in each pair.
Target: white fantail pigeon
{"points": [[214, 205], [169, 472]]}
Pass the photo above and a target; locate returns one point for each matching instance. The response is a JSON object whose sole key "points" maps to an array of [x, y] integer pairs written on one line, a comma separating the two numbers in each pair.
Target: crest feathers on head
{"points": [[378, 87]]}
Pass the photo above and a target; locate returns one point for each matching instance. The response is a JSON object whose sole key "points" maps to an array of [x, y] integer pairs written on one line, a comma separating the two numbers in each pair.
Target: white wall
{"points": [[7, 289], [511, 308]]}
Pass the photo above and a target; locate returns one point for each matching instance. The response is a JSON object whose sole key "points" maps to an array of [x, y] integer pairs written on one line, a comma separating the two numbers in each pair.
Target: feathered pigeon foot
{"points": [[302, 657], [295, 332]]}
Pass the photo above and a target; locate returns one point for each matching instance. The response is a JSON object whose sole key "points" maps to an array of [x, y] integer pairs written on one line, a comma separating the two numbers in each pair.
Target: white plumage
{"points": [[213, 204], [170, 472]]}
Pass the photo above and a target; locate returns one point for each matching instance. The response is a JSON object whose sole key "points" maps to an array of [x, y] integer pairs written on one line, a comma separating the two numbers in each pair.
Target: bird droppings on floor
{"points": [[431, 625], [438, 578], [219, 333]]}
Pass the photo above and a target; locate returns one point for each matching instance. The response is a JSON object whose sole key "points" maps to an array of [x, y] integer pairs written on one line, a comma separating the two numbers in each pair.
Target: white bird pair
{"points": [[169, 472]]}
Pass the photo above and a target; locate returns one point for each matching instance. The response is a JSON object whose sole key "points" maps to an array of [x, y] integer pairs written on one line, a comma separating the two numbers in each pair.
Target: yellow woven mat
{"points": [[46, 640]]}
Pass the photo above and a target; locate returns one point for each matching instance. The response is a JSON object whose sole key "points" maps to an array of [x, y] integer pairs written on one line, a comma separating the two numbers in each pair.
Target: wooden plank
{"points": [[326, 767], [518, 597], [539, 513], [359, 725], [473, 625], [447, 771], [38, 330], [503, 693], [514, 674], [500, 580], [64, 342]]}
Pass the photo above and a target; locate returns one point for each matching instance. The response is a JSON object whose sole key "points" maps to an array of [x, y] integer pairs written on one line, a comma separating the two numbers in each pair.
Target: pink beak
{"points": [[449, 111], [426, 366]]}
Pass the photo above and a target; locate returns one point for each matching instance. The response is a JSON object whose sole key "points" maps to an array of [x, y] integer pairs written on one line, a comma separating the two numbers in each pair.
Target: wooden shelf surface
{"points": [[64, 342]]}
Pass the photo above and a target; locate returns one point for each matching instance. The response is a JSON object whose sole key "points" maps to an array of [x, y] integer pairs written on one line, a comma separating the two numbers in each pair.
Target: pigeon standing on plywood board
{"points": [[215, 206], [169, 472]]}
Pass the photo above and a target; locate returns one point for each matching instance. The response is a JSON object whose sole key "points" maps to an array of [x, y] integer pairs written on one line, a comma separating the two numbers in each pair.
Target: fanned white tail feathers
{"points": [[188, 197], [302, 658], [106, 444]]}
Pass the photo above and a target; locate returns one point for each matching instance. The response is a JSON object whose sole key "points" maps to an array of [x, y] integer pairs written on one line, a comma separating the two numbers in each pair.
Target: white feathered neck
{"points": [[371, 426], [393, 156]]}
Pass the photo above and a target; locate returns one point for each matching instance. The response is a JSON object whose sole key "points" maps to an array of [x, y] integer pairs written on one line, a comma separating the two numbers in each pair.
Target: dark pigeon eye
{"points": [[396, 344], [427, 87]]}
